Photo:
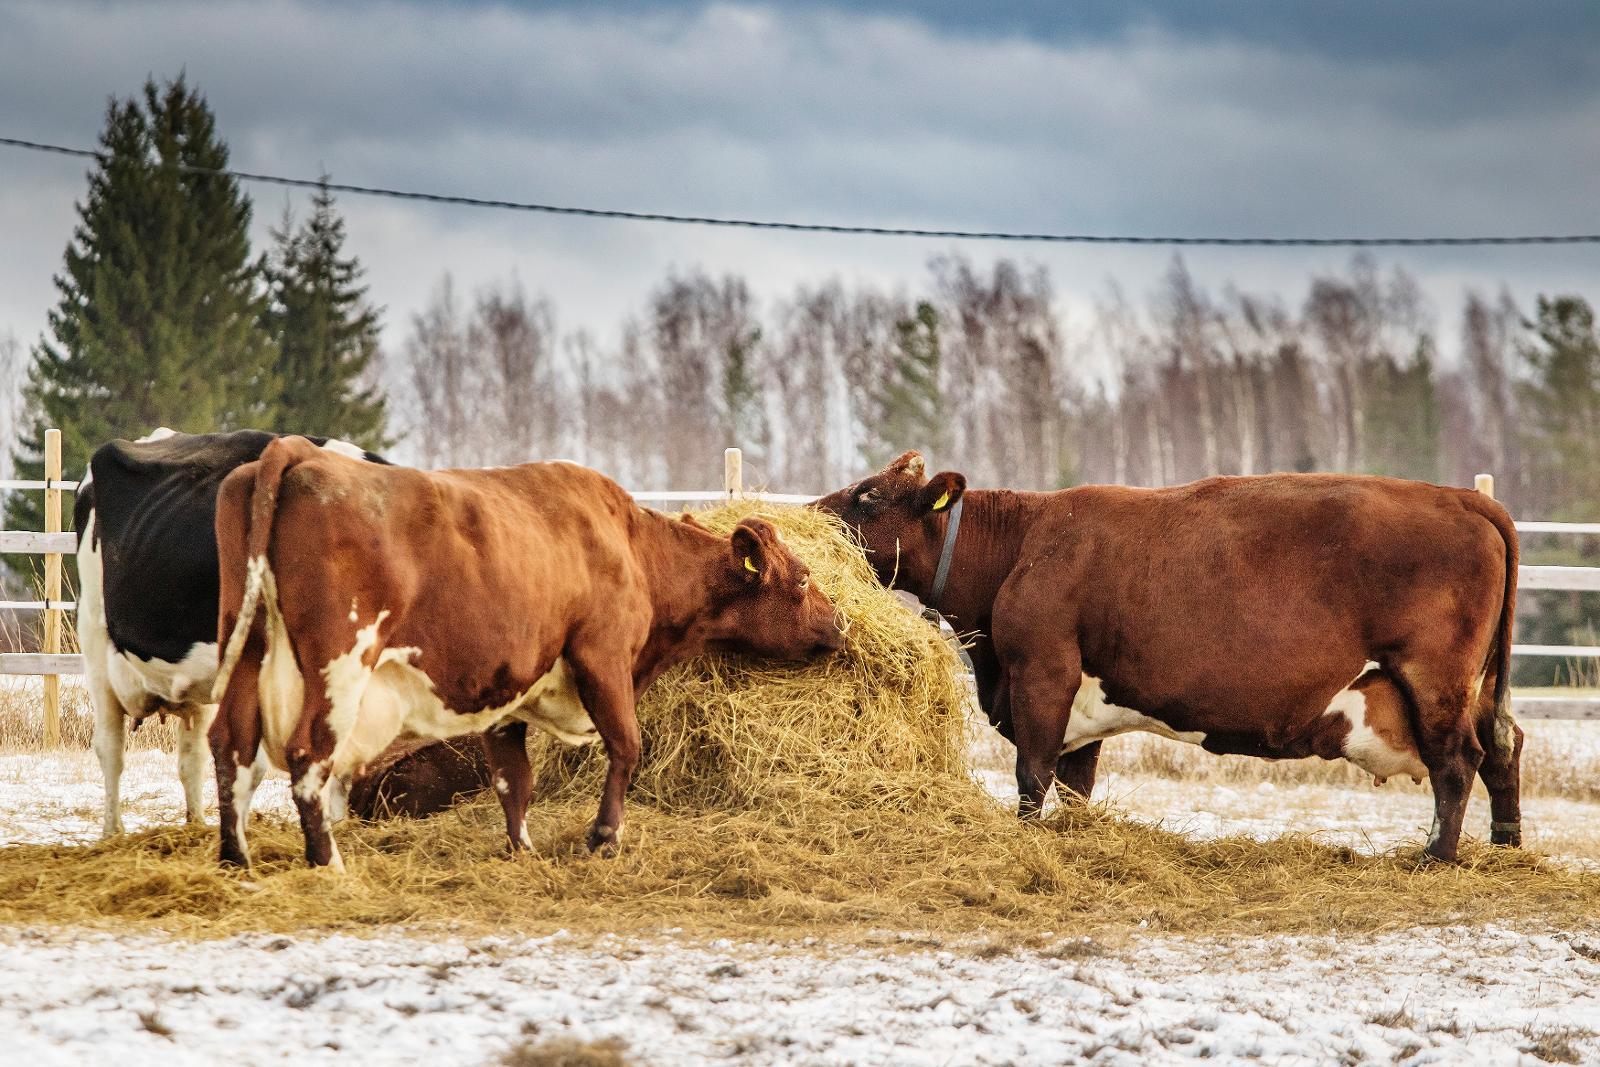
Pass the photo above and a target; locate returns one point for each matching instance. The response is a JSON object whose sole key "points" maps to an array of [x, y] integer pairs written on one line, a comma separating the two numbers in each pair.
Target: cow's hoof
{"points": [[1430, 858], [603, 840], [1510, 837], [234, 861]]}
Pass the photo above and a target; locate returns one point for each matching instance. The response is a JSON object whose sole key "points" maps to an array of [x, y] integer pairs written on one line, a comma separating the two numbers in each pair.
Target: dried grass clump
{"points": [[960, 865], [566, 1052], [22, 720], [780, 801]]}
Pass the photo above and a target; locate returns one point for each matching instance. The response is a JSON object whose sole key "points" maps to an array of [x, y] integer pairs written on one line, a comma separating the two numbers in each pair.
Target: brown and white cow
{"points": [[1235, 613], [441, 603]]}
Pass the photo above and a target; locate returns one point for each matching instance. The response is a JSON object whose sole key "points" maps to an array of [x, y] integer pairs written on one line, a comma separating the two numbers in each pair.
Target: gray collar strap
{"points": [[951, 529]]}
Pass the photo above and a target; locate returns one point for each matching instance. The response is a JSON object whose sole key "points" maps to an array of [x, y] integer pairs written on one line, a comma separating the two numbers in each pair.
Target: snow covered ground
{"points": [[60, 797], [1481, 996]]}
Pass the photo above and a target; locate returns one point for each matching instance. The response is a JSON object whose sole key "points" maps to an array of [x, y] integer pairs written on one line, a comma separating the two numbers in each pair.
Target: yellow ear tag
{"points": [[751, 567], [944, 498]]}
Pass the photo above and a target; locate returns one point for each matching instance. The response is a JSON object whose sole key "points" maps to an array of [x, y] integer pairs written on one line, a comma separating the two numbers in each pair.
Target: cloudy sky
{"points": [[1362, 117]]}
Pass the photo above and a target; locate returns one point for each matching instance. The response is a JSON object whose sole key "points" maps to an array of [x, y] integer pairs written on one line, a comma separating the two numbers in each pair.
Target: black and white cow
{"points": [[147, 602]]}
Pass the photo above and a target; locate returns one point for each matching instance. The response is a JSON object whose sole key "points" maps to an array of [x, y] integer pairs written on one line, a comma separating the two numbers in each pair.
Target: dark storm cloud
{"points": [[1152, 98], [1565, 33]]}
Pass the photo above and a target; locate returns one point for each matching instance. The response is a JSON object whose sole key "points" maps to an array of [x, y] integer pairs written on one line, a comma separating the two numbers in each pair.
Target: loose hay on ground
{"points": [[778, 801]]}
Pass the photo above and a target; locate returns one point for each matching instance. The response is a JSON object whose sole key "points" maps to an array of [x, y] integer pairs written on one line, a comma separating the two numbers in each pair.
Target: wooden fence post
{"points": [[1484, 483], [733, 473], [52, 586]]}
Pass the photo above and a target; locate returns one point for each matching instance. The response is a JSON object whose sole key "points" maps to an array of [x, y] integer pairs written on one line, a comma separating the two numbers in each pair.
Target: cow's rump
{"points": [[152, 506]]}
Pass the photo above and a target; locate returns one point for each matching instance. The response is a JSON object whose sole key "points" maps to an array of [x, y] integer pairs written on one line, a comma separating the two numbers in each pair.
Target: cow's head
{"points": [[771, 606], [899, 514]]}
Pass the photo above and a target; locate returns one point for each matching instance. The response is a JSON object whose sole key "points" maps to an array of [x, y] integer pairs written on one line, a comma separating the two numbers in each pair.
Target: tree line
{"points": [[980, 370]]}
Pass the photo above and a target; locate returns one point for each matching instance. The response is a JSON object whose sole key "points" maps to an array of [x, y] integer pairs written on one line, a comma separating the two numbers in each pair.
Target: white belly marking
{"points": [[1095, 720], [371, 706], [187, 682]]}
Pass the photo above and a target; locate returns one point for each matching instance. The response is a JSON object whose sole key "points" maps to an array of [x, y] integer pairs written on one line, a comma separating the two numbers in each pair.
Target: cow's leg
{"points": [[1448, 743], [235, 737], [95, 642], [109, 731], [309, 779], [310, 758], [605, 685], [193, 727], [990, 682], [1041, 689], [337, 800], [507, 749], [1501, 772], [1075, 771]]}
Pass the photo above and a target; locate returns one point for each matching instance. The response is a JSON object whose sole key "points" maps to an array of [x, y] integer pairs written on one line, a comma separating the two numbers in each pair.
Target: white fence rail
{"points": [[51, 663]]}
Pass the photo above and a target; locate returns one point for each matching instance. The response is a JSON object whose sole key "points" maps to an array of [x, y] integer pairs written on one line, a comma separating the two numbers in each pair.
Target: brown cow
{"points": [[1234, 613], [441, 603]]}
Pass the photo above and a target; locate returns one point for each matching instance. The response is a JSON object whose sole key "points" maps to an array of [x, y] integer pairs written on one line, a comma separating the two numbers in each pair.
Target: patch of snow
{"points": [[1435, 996], [60, 797], [1365, 819]]}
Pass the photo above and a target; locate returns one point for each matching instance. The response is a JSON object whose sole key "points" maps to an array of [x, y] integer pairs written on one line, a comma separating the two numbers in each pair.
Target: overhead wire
{"points": [[841, 228]]}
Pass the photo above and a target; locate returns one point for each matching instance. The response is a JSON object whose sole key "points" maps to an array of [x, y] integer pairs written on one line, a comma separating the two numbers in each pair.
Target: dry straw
{"points": [[776, 801]]}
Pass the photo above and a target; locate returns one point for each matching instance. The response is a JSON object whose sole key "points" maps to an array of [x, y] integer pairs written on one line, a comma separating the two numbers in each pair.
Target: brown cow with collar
{"points": [[400, 601], [1235, 613]]}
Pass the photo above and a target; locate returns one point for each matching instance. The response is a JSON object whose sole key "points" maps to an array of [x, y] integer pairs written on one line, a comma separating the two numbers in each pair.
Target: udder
{"points": [[1380, 740]]}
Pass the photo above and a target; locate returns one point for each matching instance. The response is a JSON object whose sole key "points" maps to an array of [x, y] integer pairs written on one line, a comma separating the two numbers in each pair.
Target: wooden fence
{"points": [[53, 544]]}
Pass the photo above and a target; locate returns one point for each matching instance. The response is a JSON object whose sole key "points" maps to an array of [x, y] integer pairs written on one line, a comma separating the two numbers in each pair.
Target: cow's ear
{"points": [[909, 463], [688, 519], [749, 540], [942, 492]]}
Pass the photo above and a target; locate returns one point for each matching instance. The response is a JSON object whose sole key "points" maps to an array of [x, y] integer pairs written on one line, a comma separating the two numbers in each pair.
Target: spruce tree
{"points": [[1401, 416], [158, 321], [908, 404], [744, 414], [325, 331], [1559, 415], [1561, 407]]}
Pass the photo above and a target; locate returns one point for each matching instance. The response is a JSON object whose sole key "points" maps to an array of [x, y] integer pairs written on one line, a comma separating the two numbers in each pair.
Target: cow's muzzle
{"points": [[830, 638]]}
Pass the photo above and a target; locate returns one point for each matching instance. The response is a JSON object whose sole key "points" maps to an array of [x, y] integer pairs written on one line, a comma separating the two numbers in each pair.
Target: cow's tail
{"points": [[259, 582], [1499, 660]]}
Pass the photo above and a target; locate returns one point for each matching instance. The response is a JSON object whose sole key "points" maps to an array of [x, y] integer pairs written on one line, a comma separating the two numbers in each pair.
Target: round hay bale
{"points": [[736, 732]]}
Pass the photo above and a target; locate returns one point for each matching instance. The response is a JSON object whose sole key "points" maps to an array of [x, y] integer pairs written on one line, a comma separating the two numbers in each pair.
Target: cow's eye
{"points": [[867, 496], [805, 583]]}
